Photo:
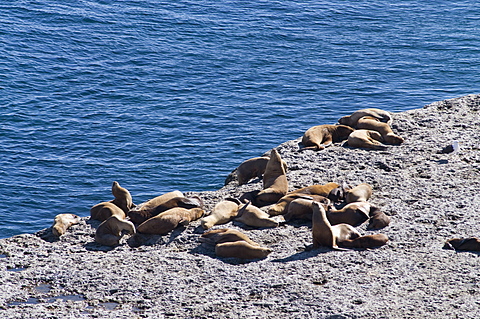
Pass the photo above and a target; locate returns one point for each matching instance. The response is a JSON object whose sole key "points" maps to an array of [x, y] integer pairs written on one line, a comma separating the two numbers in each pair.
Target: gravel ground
{"points": [[430, 197]]}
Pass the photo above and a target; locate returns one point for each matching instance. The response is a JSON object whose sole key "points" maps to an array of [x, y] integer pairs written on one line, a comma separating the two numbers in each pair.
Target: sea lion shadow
{"points": [[94, 246], [309, 252]]}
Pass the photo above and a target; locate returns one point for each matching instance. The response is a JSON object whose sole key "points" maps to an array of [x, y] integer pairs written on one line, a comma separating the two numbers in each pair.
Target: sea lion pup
{"points": [[281, 207], [324, 234], [366, 139], [110, 231], [62, 222], [337, 194], [251, 215], [378, 219], [351, 120], [320, 136], [354, 214], [367, 241], [360, 193], [102, 211], [218, 236], [223, 212], [301, 208], [275, 184], [466, 244], [123, 199], [241, 249], [322, 190], [167, 221], [372, 124]]}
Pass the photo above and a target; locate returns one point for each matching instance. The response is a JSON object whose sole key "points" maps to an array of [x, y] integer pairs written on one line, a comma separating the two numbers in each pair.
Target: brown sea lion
{"points": [[301, 208], [241, 249], [367, 241], [465, 244], [223, 212], [354, 214], [281, 207], [322, 190], [167, 221], [320, 136], [253, 167], [275, 184], [324, 234], [366, 139], [351, 120], [157, 201], [378, 219], [372, 124], [103, 211], [111, 230], [62, 222], [140, 216], [218, 236], [123, 199], [251, 215], [360, 193]]}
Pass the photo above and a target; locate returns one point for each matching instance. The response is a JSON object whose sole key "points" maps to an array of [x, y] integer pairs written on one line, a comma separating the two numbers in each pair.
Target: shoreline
{"points": [[430, 197]]}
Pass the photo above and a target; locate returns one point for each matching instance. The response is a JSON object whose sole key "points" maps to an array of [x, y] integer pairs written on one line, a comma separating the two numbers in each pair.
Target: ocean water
{"points": [[166, 95]]}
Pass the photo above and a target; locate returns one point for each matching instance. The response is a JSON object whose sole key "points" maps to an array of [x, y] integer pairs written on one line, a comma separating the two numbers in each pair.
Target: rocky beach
{"points": [[430, 194]]}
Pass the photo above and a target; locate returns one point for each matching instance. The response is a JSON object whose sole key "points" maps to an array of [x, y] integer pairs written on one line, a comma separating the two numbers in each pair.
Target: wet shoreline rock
{"points": [[431, 196]]}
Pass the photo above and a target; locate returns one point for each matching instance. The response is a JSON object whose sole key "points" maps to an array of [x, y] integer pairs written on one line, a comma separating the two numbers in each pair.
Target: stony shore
{"points": [[431, 196]]}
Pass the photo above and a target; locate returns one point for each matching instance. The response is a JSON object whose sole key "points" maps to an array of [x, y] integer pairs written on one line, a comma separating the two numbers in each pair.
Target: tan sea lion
{"points": [[322, 190], [351, 120], [465, 244], [157, 201], [123, 199], [372, 124], [275, 184], [103, 211], [301, 208], [241, 249], [366, 139], [223, 212], [110, 231], [167, 221], [320, 136], [281, 207], [62, 222], [218, 236], [378, 219], [253, 167], [360, 193], [251, 215], [324, 234], [367, 241], [354, 214]]}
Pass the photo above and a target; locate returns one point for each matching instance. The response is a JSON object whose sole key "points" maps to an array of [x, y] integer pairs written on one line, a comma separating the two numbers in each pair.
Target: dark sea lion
{"points": [[223, 212], [275, 184], [241, 249], [253, 167], [110, 231], [167, 221], [351, 120], [366, 139], [360, 193], [320, 136], [367, 241], [103, 211], [62, 222], [123, 199], [378, 219], [372, 124], [465, 244]]}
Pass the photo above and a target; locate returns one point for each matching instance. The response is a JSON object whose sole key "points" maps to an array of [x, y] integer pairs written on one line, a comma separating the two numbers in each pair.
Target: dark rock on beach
{"points": [[431, 194]]}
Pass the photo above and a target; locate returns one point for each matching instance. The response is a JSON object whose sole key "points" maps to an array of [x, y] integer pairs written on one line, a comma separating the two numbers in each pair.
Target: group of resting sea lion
{"points": [[335, 210]]}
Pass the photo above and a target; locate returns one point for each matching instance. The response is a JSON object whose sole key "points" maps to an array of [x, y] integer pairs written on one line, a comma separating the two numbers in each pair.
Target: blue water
{"points": [[165, 95]]}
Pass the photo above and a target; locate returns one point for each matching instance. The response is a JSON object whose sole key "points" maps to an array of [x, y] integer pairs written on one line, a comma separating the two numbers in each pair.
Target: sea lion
{"points": [[157, 201], [253, 167], [354, 214], [241, 249], [322, 190], [218, 236], [366, 139], [372, 124], [351, 120], [324, 234], [102, 211], [360, 193], [62, 222], [275, 184], [140, 216], [110, 231], [222, 213], [378, 219], [367, 241], [281, 207], [337, 194], [123, 199], [466, 244], [320, 136], [251, 215], [301, 208], [167, 221]]}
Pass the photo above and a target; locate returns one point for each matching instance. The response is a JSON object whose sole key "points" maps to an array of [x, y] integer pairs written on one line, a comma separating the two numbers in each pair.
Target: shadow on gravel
{"points": [[302, 255]]}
